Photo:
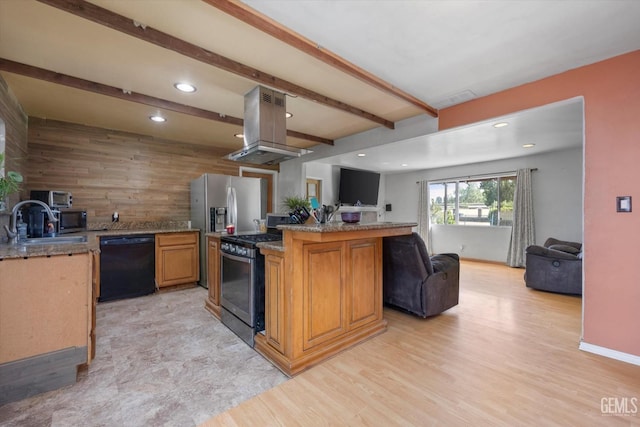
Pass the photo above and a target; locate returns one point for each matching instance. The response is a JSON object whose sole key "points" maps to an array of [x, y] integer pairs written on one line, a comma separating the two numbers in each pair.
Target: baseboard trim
{"points": [[484, 261], [38, 374], [612, 354]]}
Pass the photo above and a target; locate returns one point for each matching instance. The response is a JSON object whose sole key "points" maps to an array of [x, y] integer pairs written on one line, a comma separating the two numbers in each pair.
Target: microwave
{"points": [[55, 199], [72, 220]]}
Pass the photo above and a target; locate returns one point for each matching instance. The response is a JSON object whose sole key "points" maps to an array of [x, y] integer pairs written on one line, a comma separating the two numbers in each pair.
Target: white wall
{"points": [[293, 173], [326, 174], [557, 194], [557, 189], [477, 242]]}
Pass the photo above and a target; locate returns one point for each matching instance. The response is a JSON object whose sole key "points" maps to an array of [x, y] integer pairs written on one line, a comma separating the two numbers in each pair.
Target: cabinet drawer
{"points": [[172, 239]]}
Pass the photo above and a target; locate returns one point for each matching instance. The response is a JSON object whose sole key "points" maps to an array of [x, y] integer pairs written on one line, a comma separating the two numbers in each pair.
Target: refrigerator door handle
{"points": [[232, 206]]}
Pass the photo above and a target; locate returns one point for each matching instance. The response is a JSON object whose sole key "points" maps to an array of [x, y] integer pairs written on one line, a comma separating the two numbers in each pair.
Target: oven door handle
{"points": [[236, 258]]}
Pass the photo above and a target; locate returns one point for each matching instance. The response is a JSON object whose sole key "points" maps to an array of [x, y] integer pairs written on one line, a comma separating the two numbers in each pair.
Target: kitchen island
{"points": [[323, 291]]}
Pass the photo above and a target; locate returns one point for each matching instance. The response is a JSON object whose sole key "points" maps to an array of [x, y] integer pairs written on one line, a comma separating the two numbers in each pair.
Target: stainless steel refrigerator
{"points": [[217, 200]]}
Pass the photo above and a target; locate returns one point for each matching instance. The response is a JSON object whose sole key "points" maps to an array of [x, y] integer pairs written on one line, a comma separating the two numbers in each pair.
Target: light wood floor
{"points": [[506, 355]]}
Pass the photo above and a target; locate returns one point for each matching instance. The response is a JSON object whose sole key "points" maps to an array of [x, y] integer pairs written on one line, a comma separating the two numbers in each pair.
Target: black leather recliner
{"points": [[415, 282], [554, 267]]}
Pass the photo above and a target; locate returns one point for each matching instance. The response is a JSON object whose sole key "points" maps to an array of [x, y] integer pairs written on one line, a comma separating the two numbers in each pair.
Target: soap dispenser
{"points": [[21, 227]]}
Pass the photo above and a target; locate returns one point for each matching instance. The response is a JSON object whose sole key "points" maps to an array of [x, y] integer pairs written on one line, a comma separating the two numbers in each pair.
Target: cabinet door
{"points": [[213, 270], [364, 281], [177, 265], [324, 295], [274, 313], [177, 258]]}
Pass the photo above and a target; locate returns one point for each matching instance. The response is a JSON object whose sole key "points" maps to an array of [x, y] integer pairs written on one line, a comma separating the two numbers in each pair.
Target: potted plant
{"points": [[295, 202], [299, 209], [9, 184]]}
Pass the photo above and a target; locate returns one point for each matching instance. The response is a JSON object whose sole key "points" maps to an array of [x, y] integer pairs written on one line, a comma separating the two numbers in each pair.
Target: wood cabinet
{"points": [[212, 304], [339, 300], [364, 266], [323, 294], [177, 261], [45, 305], [274, 316], [46, 322]]}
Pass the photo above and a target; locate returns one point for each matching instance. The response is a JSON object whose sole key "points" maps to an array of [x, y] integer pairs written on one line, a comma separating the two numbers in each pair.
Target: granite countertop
{"points": [[274, 246], [8, 251], [331, 228], [343, 226], [216, 233]]}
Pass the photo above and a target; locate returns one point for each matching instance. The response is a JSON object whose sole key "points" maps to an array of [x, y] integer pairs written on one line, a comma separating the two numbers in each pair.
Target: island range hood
{"points": [[265, 129]]}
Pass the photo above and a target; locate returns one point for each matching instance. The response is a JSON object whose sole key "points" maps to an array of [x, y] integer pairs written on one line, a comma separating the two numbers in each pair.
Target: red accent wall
{"points": [[611, 92]]}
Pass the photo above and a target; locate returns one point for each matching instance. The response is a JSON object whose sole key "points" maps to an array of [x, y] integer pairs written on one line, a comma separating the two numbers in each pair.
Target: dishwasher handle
{"points": [[127, 240]]}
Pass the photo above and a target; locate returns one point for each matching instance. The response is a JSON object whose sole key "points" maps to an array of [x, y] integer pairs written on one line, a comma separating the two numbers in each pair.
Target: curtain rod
{"points": [[486, 175]]}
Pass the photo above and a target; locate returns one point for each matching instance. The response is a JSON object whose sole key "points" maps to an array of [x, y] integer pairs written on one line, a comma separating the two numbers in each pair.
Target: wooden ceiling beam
{"points": [[263, 23], [102, 89], [128, 26]]}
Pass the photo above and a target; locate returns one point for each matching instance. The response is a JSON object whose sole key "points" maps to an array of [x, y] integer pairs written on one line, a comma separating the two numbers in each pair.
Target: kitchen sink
{"points": [[53, 240]]}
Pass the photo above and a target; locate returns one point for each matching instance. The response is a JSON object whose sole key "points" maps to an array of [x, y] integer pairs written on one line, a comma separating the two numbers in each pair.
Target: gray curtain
{"points": [[423, 213], [522, 231]]}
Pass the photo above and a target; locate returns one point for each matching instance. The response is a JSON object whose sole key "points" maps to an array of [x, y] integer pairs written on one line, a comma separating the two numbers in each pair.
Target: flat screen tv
{"points": [[358, 186]]}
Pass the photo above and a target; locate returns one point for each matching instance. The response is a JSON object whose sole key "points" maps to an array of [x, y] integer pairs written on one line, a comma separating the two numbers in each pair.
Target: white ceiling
{"points": [[442, 52], [442, 49], [554, 127]]}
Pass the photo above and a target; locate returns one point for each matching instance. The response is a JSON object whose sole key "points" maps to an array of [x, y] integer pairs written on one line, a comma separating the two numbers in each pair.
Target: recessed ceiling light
{"points": [[404, 165], [361, 155], [185, 87], [238, 135], [528, 145], [157, 119], [288, 115], [501, 125]]}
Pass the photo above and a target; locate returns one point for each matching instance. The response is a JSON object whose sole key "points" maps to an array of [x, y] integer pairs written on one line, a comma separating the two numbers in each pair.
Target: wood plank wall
{"points": [[142, 178], [15, 126]]}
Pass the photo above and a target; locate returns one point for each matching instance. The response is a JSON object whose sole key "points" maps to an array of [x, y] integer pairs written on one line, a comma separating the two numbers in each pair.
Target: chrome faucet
{"points": [[12, 231]]}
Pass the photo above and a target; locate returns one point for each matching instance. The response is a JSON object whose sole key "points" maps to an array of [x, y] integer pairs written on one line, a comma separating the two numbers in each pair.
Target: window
{"points": [[483, 201]]}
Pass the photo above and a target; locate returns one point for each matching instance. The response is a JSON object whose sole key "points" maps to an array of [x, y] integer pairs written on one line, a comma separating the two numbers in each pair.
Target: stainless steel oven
{"points": [[242, 289], [242, 279]]}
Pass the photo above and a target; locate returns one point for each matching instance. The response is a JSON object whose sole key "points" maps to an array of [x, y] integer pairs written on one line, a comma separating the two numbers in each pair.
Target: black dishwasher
{"points": [[127, 266]]}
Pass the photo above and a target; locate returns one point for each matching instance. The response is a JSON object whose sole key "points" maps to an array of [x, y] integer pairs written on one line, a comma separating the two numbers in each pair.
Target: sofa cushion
{"points": [[565, 248], [550, 253], [552, 241]]}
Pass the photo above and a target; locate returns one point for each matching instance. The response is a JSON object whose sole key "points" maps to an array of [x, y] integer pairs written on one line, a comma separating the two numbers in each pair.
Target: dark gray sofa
{"points": [[415, 282], [555, 267]]}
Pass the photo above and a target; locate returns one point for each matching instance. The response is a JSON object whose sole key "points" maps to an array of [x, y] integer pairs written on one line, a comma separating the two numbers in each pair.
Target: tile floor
{"points": [[161, 360]]}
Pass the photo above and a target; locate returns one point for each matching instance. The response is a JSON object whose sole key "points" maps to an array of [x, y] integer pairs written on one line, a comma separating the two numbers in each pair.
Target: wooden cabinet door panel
{"points": [[363, 282], [178, 265], [275, 302], [45, 305], [177, 260], [324, 293], [174, 239], [213, 270]]}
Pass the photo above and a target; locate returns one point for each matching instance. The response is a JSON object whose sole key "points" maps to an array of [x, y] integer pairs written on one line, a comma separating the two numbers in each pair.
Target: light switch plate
{"points": [[623, 204]]}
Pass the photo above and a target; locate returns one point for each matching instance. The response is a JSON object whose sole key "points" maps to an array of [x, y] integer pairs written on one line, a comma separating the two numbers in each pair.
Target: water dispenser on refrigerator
{"points": [[218, 218]]}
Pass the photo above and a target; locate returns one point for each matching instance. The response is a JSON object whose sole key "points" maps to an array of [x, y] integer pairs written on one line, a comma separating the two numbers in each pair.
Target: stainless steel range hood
{"points": [[265, 129]]}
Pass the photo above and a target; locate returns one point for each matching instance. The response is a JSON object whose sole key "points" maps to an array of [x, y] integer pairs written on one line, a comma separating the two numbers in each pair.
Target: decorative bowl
{"points": [[350, 217]]}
